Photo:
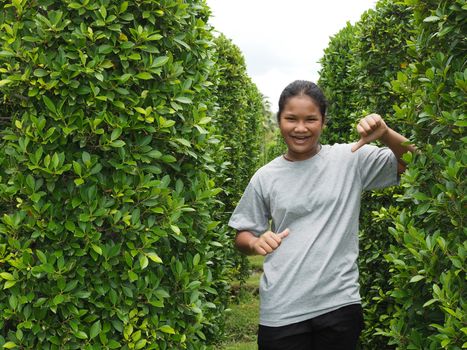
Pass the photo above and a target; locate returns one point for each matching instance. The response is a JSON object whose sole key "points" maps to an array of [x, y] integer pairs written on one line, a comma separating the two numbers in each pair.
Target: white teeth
{"points": [[300, 139]]}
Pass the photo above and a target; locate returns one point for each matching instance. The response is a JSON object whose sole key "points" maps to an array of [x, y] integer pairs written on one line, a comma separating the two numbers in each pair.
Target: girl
{"points": [[310, 200]]}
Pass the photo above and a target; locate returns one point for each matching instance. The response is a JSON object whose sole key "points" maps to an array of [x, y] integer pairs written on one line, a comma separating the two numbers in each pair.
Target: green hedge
{"points": [[240, 118], [107, 191], [409, 57], [429, 260], [337, 80], [357, 68]]}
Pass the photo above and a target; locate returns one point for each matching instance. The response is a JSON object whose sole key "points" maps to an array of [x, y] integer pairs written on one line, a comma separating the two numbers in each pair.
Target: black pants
{"points": [[336, 330]]}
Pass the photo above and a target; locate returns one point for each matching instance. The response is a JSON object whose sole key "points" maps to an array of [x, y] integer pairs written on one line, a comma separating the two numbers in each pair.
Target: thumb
{"points": [[358, 145], [284, 233]]}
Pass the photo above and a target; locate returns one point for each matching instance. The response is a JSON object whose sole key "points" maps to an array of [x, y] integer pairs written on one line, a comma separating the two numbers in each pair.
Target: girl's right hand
{"points": [[268, 242]]}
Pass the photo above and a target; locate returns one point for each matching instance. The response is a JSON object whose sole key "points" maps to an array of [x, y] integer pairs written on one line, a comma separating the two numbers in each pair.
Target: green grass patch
{"points": [[256, 262], [241, 346], [252, 282], [241, 322]]}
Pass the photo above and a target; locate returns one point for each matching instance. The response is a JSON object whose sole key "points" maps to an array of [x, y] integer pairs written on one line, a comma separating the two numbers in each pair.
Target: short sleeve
{"points": [[251, 213], [378, 167]]}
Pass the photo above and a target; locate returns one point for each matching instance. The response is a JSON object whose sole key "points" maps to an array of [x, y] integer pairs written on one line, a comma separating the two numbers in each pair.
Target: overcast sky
{"points": [[283, 40]]}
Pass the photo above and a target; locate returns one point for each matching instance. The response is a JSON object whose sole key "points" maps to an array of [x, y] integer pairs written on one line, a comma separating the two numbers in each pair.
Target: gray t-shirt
{"points": [[314, 271]]}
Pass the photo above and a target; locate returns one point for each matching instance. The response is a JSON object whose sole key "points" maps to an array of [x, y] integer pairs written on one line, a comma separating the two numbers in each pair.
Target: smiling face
{"points": [[301, 123]]}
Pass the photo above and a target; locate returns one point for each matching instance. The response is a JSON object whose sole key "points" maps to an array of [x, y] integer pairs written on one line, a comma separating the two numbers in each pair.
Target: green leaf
{"points": [[140, 344], [117, 143], [105, 49], [42, 257], [196, 259], [167, 329], [416, 278], [95, 329], [133, 276], [140, 110], [115, 134], [40, 73], [86, 157], [143, 262], [431, 19], [123, 6], [183, 142], [154, 257], [70, 226], [80, 335], [9, 345], [58, 299], [9, 284], [144, 76], [183, 99], [5, 82], [77, 168], [175, 229], [4, 53], [154, 154], [7, 276], [50, 105], [204, 120], [96, 248], [168, 158], [30, 182], [113, 344], [160, 61]]}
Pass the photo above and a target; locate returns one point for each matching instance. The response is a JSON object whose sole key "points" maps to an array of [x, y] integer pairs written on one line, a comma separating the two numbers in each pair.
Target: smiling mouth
{"points": [[300, 139]]}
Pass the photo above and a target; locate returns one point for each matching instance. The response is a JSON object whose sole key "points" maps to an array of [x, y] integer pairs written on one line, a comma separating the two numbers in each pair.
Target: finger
{"points": [[372, 121], [361, 130], [358, 145], [364, 127], [271, 241], [271, 236], [266, 247], [262, 247], [261, 251], [375, 117], [283, 234]]}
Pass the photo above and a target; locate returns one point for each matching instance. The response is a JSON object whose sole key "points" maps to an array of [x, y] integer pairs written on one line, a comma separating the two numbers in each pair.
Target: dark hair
{"points": [[299, 88]]}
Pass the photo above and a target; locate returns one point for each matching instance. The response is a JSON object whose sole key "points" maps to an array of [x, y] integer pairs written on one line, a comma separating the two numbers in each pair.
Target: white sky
{"points": [[283, 40]]}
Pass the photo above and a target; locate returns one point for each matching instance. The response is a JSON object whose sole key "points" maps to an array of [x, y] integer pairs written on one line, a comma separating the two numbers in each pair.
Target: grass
{"points": [[242, 346], [242, 320], [256, 262]]}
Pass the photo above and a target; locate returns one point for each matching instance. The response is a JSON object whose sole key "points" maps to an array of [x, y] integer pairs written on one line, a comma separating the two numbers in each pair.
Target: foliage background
{"points": [[111, 162], [129, 131], [406, 61]]}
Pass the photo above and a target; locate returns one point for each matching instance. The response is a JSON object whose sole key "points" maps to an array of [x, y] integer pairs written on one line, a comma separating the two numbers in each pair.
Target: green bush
{"points": [[336, 80], [429, 261], [239, 119], [410, 56], [107, 191], [357, 69]]}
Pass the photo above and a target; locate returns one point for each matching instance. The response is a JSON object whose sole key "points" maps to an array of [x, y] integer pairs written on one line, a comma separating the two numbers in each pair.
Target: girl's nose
{"points": [[300, 126]]}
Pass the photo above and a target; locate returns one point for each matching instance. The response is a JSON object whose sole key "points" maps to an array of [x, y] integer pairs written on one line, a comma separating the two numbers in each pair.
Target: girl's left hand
{"points": [[370, 128]]}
